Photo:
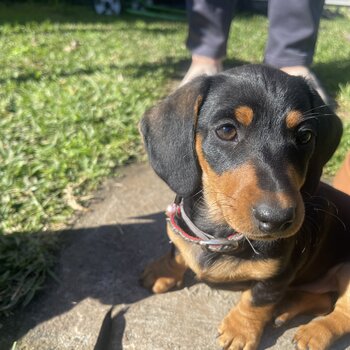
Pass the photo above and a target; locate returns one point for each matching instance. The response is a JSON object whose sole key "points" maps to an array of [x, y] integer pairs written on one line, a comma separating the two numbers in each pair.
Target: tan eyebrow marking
{"points": [[244, 115], [293, 119]]}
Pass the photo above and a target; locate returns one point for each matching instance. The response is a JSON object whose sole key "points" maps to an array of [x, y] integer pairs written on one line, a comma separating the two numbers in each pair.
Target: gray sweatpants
{"points": [[293, 27]]}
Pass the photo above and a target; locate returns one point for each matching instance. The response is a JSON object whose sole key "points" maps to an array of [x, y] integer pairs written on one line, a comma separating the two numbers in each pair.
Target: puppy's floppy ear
{"points": [[168, 130], [329, 131]]}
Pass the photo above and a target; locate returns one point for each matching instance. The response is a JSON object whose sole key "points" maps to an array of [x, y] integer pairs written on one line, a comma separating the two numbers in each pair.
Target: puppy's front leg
{"points": [[165, 273], [321, 332], [243, 326]]}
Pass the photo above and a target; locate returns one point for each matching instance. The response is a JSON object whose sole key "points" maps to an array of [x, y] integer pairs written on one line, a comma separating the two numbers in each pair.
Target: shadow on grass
{"points": [[174, 68], [127, 69], [333, 74], [96, 27]]}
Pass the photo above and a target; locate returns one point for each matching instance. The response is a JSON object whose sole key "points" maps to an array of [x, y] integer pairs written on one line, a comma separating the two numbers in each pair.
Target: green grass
{"points": [[73, 87], [71, 96], [25, 262]]}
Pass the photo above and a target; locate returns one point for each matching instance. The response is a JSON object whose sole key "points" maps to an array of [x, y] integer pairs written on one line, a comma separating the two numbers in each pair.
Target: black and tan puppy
{"points": [[245, 150]]}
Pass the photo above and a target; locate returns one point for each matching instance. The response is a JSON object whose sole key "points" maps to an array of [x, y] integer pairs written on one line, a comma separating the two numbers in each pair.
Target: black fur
{"points": [[168, 130], [198, 108]]}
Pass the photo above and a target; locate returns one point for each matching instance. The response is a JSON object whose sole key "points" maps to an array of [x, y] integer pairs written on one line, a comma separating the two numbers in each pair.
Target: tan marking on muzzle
{"points": [[229, 195], [232, 195]]}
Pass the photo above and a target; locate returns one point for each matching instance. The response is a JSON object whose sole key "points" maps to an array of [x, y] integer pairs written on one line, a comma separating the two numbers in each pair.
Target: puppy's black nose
{"points": [[271, 219]]}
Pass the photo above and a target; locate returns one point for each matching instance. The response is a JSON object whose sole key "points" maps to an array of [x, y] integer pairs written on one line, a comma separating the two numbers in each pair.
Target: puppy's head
{"points": [[253, 138]]}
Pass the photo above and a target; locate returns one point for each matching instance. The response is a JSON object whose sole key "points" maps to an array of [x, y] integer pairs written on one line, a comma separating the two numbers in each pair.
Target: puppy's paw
{"points": [[238, 333], [163, 274], [316, 335]]}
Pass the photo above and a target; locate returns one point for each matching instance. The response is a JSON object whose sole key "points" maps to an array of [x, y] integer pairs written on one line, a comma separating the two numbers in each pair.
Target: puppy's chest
{"points": [[225, 268]]}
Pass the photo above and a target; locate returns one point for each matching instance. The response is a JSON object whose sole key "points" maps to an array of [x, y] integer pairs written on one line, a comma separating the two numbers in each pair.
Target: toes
{"points": [[232, 339], [312, 336]]}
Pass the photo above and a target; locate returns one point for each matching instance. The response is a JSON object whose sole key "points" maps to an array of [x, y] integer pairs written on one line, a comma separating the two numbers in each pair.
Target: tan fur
{"points": [[293, 119], [165, 273], [197, 106], [229, 270], [244, 115], [244, 324], [189, 251]]}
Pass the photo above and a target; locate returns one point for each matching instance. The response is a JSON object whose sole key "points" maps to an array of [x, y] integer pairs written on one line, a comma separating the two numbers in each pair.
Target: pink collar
{"points": [[220, 245]]}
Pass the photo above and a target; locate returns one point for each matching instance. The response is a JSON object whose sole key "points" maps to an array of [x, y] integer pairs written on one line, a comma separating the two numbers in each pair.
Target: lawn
{"points": [[73, 87]]}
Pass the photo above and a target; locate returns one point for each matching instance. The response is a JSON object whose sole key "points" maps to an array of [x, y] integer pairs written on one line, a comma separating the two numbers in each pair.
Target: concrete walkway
{"points": [[99, 304]]}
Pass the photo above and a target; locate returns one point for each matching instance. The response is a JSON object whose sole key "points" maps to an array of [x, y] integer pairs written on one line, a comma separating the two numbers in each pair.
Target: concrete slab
{"points": [[99, 304]]}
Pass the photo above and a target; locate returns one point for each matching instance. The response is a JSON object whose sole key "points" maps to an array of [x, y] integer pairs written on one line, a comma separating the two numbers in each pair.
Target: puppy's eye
{"points": [[226, 132], [304, 136]]}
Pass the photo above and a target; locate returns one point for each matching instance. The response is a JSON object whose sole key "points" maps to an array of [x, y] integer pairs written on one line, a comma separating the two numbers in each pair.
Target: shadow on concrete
{"points": [[112, 328], [102, 263]]}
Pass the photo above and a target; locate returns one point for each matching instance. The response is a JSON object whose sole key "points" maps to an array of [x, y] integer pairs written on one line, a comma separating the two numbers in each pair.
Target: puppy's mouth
{"points": [[234, 236], [251, 229], [238, 218], [224, 243], [267, 237], [240, 235], [258, 235]]}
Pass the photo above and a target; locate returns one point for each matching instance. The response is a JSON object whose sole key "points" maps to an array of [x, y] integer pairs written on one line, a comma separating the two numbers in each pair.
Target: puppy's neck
{"points": [[197, 210]]}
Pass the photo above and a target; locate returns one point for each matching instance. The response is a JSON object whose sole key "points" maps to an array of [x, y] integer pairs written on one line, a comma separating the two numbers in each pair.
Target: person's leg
{"points": [[292, 32], [292, 38], [209, 25]]}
